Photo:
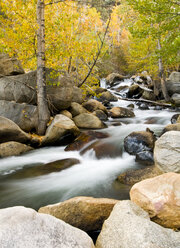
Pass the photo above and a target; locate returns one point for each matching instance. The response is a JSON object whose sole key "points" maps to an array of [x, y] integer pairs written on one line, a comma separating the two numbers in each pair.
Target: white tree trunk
{"points": [[43, 111]]}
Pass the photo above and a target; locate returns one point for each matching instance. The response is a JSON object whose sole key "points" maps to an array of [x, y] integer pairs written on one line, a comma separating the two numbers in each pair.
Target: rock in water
{"points": [[129, 226], [167, 152], [160, 197], [25, 228], [119, 112], [88, 121], [60, 126], [86, 213], [13, 149]]}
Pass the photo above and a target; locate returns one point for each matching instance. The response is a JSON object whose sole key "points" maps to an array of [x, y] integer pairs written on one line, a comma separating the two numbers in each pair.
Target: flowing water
{"points": [[91, 177]]}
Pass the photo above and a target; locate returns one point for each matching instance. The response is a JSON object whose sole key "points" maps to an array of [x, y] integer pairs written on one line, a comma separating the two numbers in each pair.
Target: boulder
{"points": [[143, 106], [77, 109], [112, 78], [13, 148], [100, 90], [86, 120], [9, 131], [24, 115], [10, 66], [92, 105], [140, 141], [22, 89], [101, 115], [108, 96], [134, 91], [145, 157], [175, 119], [129, 226], [176, 99], [84, 138], [148, 95], [23, 227], [167, 152], [159, 196], [172, 127], [66, 113], [131, 177], [60, 127], [85, 213], [173, 83], [120, 112]]}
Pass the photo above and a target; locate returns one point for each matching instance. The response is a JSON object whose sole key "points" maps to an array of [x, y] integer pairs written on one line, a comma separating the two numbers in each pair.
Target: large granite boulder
{"points": [[9, 66], [120, 112], [89, 121], [129, 226], [60, 127], [176, 99], [108, 96], [167, 152], [159, 196], [173, 83], [24, 115], [86, 213], [25, 228], [22, 88], [13, 148], [9, 131]]}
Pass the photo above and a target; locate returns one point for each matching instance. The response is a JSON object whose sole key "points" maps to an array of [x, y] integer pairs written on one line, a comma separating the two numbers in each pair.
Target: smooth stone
{"points": [[120, 112], [13, 148], [93, 105], [10, 66], [89, 121], [77, 109]]}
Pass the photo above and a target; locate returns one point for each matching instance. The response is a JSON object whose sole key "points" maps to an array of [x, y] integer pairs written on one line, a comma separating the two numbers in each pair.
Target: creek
{"points": [[91, 177]]}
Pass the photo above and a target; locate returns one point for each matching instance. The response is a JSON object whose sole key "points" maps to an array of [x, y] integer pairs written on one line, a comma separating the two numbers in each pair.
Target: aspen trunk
{"points": [[43, 111], [162, 76]]}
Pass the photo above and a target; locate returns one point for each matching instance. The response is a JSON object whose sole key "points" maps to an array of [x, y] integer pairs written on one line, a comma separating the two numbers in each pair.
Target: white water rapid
{"points": [[91, 177]]}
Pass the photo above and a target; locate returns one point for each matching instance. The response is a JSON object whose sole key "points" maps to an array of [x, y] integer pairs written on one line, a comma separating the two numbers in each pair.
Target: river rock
{"points": [[92, 105], [66, 113], [100, 90], [24, 115], [9, 131], [172, 127], [159, 196], [108, 96], [85, 213], [145, 157], [131, 177], [61, 126], [173, 83], [84, 138], [86, 120], [143, 106], [112, 78], [129, 226], [10, 66], [134, 91], [167, 152], [77, 109], [13, 148], [104, 149], [23, 227], [175, 118], [176, 99], [148, 95], [140, 141], [120, 112], [101, 115]]}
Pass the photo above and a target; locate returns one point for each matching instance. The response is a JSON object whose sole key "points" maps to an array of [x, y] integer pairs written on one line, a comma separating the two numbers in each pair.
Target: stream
{"points": [[91, 177]]}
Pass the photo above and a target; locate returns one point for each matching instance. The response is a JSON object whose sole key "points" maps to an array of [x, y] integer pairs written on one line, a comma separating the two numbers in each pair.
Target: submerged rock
{"points": [[159, 196], [85, 213], [13, 148], [167, 152], [84, 138], [24, 227], [129, 226]]}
